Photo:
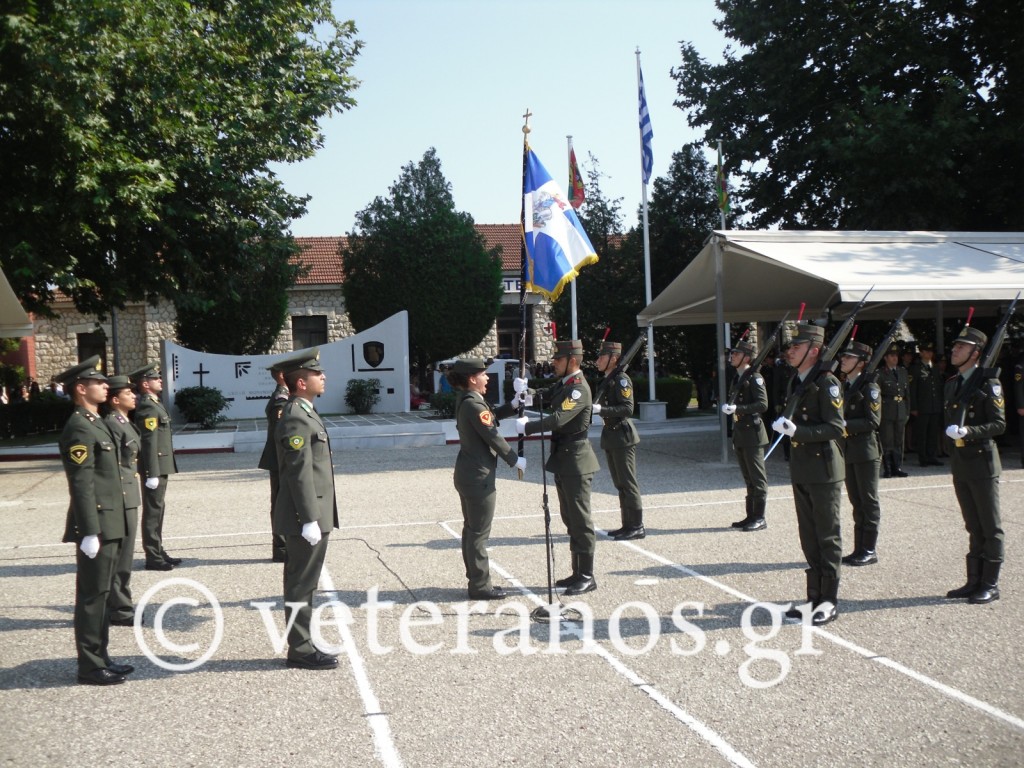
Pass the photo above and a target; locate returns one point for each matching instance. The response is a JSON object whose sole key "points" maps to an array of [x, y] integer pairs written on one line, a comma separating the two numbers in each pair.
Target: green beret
{"points": [[87, 369], [568, 348], [148, 371], [467, 366], [306, 360]]}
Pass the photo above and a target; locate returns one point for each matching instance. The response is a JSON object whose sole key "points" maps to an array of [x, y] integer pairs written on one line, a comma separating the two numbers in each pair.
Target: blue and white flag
{"points": [[646, 131], [556, 245]]}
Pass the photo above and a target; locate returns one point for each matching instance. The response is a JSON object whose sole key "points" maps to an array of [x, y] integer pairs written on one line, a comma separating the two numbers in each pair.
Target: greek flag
{"points": [[556, 245], [646, 132]]}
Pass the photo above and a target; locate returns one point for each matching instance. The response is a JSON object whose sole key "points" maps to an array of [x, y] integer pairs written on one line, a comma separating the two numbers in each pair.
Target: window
{"points": [[509, 333], [309, 331], [94, 343]]}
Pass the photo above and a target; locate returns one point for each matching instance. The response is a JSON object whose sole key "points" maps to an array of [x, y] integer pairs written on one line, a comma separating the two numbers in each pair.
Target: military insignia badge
{"points": [[873, 394], [1017, 376], [568, 404], [759, 380], [576, 394], [151, 423], [295, 442], [833, 391], [627, 392], [624, 383], [486, 418], [997, 391], [78, 453]]}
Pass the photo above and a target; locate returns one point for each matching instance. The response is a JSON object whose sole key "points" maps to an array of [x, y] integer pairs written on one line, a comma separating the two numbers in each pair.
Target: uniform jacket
{"points": [[154, 424], [976, 456], [127, 443], [751, 402], [275, 406], [479, 442], [90, 460], [617, 404], [816, 456], [862, 410], [306, 471], [570, 408], [1018, 383], [925, 384], [895, 391]]}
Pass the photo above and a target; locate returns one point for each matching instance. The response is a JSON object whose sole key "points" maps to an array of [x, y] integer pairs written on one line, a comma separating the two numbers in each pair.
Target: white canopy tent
{"points": [[14, 323]]}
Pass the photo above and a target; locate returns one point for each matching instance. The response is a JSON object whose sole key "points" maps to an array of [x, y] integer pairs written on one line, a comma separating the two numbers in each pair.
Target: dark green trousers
{"points": [[862, 489], [979, 505], [574, 506], [120, 600], [477, 516], [755, 476], [622, 468], [277, 545], [92, 616], [301, 575], [153, 521], [817, 517]]}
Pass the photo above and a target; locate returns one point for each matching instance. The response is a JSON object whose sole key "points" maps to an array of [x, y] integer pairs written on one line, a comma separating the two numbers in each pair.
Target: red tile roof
{"points": [[509, 237]]}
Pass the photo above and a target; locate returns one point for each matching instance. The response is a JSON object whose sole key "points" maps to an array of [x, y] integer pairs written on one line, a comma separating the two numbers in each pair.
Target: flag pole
{"points": [[647, 234], [572, 285], [523, 276]]}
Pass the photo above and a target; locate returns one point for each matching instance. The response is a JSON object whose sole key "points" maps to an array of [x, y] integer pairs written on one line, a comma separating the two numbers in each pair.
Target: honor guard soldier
{"points": [[892, 379], [156, 465], [572, 460], [926, 405], [96, 519], [1018, 399], [974, 461], [619, 440], [306, 507], [862, 409], [268, 459], [480, 445], [120, 403], [748, 401], [817, 470]]}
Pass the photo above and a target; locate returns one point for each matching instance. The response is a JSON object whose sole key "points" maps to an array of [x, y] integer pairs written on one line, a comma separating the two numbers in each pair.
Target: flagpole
{"points": [[572, 285], [726, 329], [647, 248], [523, 276]]}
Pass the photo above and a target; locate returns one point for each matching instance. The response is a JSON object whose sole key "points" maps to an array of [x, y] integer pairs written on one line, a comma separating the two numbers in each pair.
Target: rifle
{"points": [[878, 354], [623, 364], [826, 362], [985, 369], [755, 364]]}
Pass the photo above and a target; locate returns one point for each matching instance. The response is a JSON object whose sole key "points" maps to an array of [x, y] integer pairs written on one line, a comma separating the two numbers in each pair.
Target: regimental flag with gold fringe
{"points": [[556, 244], [577, 195]]}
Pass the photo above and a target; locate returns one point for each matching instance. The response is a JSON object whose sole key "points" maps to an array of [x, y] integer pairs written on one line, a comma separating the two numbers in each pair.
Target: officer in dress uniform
{"points": [[1018, 399], [95, 521], [572, 459], [120, 403], [892, 380], [816, 469], [156, 465], [480, 445], [306, 508], [974, 461], [926, 405], [268, 459], [619, 440], [749, 401], [862, 409]]}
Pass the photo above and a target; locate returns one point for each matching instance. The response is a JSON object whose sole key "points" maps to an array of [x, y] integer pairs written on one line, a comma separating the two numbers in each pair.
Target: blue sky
{"points": [[458, 75]]}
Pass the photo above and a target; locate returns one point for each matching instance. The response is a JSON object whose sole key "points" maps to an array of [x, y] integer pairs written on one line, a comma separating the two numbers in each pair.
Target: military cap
{"points": [[806, 332], [894, 348], [857, 349], [908, 346], [87, 369], [927, 346], [744, 347], [568, 348], [306, 360], [275, 368], [609, 348], [467, 366], [971, 335], [148, 371], [117, 383]]}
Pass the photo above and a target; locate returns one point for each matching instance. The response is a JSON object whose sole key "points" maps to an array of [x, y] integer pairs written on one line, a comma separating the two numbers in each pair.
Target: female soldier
{"points": [[480, 445]]}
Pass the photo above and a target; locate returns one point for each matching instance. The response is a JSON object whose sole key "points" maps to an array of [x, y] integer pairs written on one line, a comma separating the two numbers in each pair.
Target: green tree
{"points": [[135, 146], [876, 114], [410, 241]]}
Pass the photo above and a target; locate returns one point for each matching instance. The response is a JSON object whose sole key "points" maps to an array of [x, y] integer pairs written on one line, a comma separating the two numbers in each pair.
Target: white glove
{"points": [[728, 409], [152, 483], [311, 533], [521, 463], [521, 425], [523, 398], [90, 546], [597, 408], [519, 385], [784, 426], [956, 432]]}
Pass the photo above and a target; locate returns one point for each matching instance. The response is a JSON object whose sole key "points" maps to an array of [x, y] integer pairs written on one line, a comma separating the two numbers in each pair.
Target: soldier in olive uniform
{"points": [[1018, 399], [120, 403], [974, 461], [748, 401], [926, 405], [480, 445], [572, 459], [268, 460], [619, 440], [95, 521], [817, 470], [156, 465], [862, 409], [306, 507], [892, 380]]}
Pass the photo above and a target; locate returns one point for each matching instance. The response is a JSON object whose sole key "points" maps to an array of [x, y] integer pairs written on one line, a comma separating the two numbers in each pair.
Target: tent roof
{"points": [[769, 273], [14, 323]]}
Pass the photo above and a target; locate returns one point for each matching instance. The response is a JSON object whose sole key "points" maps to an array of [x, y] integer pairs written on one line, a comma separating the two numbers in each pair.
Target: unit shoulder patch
{"points": [[151, 423], [486, 418], [78, 453], [296, 442]]}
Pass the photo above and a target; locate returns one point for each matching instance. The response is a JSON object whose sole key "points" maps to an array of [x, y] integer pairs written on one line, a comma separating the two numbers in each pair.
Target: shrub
{"points": [[362, 394], [443, 404], [201, 405], [674, 391]]}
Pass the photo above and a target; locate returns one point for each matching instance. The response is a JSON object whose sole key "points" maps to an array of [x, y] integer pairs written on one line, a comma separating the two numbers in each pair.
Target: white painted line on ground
{"points": [[383, 743]]}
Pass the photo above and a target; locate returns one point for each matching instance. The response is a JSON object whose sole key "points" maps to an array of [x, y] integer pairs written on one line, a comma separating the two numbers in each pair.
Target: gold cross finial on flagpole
{"points": [[526, 120]]}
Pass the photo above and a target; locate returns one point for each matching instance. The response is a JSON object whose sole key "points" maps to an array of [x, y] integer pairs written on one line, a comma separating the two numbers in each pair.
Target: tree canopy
{"points": [[413, 251], [876, 114]]}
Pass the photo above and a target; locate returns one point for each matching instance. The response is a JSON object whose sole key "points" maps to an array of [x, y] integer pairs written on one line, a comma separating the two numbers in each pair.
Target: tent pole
{"points": [[720, 330]]}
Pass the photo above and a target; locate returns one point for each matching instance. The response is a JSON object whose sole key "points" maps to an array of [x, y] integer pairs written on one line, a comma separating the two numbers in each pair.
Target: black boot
{"points": [[867, 554], [826, 609], [585, 582], [568, 581], [618, 531], [973, 577], [887, 464], [757, 521], [988, 586], [813, 594], [749, 516], [634, 527], [858, 540]]}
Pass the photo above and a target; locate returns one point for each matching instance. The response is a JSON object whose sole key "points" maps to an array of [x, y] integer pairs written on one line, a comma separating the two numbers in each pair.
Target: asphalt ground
{"points": [[668, 673]]}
